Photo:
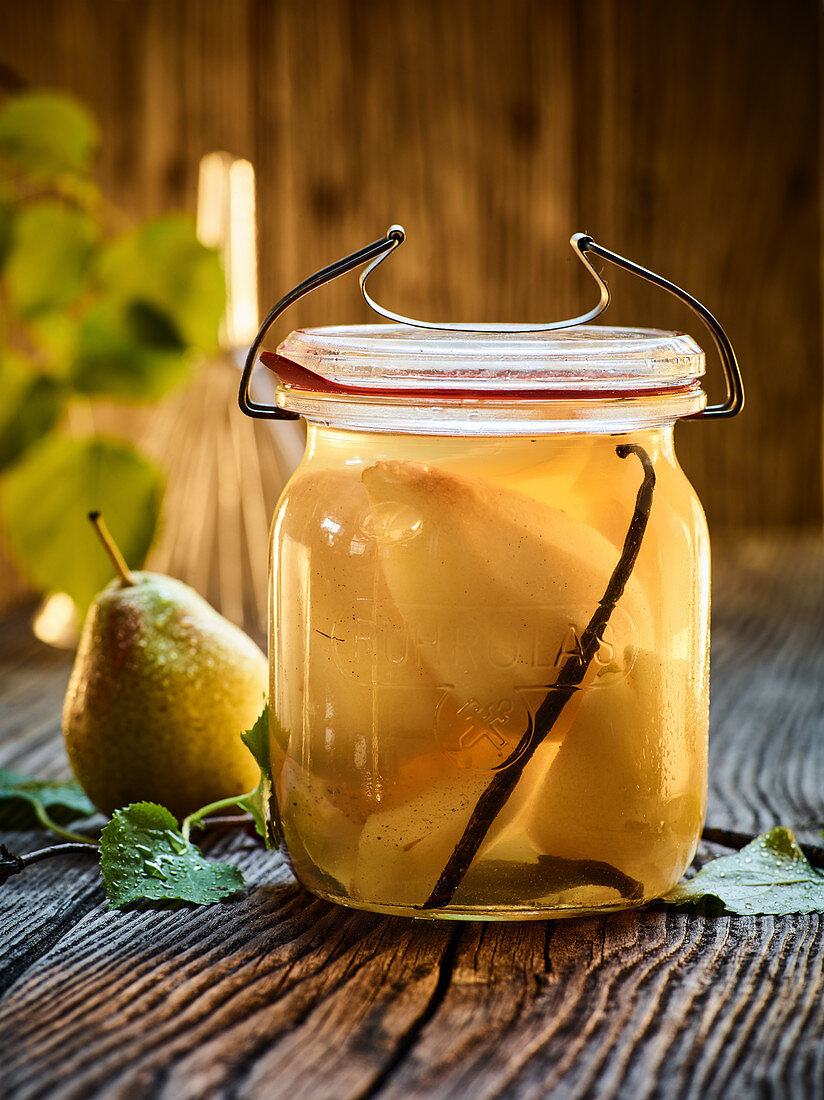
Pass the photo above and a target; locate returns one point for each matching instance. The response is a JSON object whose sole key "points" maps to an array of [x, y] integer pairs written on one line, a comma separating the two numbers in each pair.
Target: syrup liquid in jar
{"points": [[426, 592]]}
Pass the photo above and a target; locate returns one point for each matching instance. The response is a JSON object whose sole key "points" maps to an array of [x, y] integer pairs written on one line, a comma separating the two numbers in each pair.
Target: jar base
{"points": [[482, 912]]}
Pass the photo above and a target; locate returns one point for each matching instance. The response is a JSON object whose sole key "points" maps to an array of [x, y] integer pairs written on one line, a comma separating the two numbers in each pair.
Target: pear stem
{"points": [[111, 548]]}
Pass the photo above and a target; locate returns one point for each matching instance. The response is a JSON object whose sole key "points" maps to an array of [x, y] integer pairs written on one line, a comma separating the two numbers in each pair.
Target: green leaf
{"points": [[770, 875], [46, 793], [256, 741], [47, 133], [45, 503], [54, 334], [143, 855], [31, 405], [162, 264], [49, 261], [52, 802], [114, 356], [256, 803]]}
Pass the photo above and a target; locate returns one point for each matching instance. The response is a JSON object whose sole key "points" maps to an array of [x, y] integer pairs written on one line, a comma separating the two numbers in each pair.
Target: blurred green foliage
{"points": [[50, 253], [48, 495], [89, 311], [46, 134]]}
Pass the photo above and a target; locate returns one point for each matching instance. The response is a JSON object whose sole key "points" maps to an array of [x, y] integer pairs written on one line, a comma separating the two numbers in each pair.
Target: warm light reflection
{"points": [[241, 257], [56, 621], [226, 221], [212, 188]]}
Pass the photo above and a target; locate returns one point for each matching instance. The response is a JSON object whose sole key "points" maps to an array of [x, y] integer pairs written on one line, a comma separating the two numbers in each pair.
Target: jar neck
{"points": [[496, 415], [334, 446]]}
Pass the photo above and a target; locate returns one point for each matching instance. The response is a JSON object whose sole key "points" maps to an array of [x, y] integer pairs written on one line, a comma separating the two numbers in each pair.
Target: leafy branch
{"points": [[144, 854]]}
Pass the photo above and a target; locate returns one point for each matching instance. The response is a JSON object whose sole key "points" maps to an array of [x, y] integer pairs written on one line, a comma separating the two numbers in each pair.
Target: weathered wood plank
{"points": [[648, 1005], [40, 906], [767, 686], [191, 1003], [33, 682], [197, 81], [455, 120]]}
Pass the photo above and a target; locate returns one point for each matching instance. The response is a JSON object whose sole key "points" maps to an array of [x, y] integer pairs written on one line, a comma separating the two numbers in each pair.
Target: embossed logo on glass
{"points": [[446, 640], [484, 689], [489, 735]]}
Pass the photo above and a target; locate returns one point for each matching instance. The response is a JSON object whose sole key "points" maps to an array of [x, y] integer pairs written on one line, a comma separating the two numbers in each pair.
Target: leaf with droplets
{"points": [[771, 875], [144, 856]]}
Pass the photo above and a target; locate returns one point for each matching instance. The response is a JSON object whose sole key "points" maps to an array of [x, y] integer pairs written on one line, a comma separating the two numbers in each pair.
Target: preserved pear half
{"points": [[495, 586]]}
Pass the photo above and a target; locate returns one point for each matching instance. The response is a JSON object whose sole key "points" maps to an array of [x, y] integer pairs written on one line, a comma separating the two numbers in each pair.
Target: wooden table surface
{"points": [[282, 995]]}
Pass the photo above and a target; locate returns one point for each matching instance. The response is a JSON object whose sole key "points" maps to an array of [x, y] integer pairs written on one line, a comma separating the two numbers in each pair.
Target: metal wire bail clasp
{"points": [[374, 254]]}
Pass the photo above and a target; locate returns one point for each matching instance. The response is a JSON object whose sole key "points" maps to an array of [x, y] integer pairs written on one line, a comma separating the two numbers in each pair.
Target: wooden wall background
{"points": [[685, 135]]}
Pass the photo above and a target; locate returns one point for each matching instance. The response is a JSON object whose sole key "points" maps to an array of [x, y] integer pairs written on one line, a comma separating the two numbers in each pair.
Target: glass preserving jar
{"points": [[489, 620]]}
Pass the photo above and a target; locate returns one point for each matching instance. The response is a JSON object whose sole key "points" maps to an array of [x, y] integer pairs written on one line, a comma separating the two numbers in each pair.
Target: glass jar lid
{"points": [[390, 377], [588, 357]]}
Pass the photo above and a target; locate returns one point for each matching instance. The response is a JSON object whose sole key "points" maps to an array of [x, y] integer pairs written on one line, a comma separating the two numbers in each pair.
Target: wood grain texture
{"points": [[683, 134], [280, 995], [32, 685], [767, 750], [455, 119], [700, 165]]}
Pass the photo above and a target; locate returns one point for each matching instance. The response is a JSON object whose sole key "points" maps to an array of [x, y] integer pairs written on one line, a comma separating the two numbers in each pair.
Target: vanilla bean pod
{"points": [[569, 679]]}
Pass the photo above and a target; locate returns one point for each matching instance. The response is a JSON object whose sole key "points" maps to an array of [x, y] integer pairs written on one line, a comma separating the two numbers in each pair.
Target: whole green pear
{"points": [[161, 688]]}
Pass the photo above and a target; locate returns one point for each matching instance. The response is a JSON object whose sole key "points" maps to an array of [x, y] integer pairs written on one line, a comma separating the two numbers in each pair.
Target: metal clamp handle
{"points": [[378, 249], [374, 254], [733, 402]]}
